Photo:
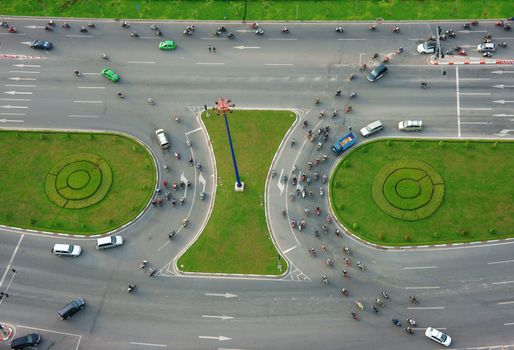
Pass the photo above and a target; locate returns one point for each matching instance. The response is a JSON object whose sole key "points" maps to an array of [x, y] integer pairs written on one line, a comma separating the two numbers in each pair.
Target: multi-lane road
{"points": [[465, 289]]}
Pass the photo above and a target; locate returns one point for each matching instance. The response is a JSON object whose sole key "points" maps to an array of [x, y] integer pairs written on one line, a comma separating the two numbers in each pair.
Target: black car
{"points": [[41, 45], [71, 308], [377, 73], [25, 341]]}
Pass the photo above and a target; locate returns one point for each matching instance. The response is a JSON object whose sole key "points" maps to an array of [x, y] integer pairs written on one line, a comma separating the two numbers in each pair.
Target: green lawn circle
{"points": [[78, 181], [408, 189]]}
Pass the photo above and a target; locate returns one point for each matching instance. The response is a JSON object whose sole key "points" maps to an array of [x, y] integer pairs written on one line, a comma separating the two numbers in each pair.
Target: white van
{"points": [[109, 242], [372, 128], [66, 250], [162, 138], [410, 125]]}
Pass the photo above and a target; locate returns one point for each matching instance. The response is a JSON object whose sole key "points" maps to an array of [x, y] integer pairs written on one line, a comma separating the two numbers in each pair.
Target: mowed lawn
{"points": [[301, 10], [26, 159], [236, 238], [478, 191]]}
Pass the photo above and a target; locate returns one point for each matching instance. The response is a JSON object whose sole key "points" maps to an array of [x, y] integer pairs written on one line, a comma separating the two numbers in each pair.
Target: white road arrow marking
{"points": [[225, 295], [18, 78], [246, 47], [501, 86], [222, 317], [279, 184], [202, 181], [503, 115], [26, 65], [184, 180], [218, 338], [502, 72], [503, 102], [16, 99], [11, 121], [35, 27], [18, 92], [11, 107], [504, 132]]}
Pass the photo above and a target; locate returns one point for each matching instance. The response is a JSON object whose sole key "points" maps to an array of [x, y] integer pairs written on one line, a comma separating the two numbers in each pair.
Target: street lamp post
{"points": [[223, 106]]}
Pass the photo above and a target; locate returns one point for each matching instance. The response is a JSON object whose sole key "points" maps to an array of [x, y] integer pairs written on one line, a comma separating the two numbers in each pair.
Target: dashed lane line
{"points": [[149, 344], [423, 287], [77, 101], [505, 302], [476, 123], [476, 93], [476, 108], [426, 308], [192, 131], [90, 87], [20, 85], [79, 36], [278, 64], [420, 267], [16, 99], [289, 249], [82, 116], [503, 282], [142, 62], [24, 72], [210, 63], [500, 262]]}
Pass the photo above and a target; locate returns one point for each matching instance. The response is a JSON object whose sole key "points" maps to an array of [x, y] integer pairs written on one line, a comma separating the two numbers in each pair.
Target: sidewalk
{"points": [[466, 60]]}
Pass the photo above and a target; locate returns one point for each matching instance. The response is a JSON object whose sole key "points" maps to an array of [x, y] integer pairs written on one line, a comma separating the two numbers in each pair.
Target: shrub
{"points": [[389, 142], [407, 237], [355, 225], [33, 221], [492, 231], [463, 233], [413, 143], [381, 236], [441, 143], [340, 206], [494, 145], [435, 235]]}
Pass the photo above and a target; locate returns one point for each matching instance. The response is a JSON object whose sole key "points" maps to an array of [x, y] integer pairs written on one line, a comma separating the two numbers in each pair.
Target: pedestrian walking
{"points": [[213, 49], [210, 50], [349, 128]]}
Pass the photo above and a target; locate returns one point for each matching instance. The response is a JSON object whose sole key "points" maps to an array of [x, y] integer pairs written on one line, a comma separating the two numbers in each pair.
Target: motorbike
{"points": [[354, 316], [120, 95], [158, 33], [324, 279], [412, 322], [91, 25], [318, 211], [395, 29], [499, 23], [324, 179], [255, 25], [150, 101], [360, 265], [151, 271], [104, 56], [409, 330], [143, 264], [154, 27], [172, 234], [345, 292], [375, 309], [259, 32], [413, 300], [222, 29], [284, 30], [188, 32], [474, 22], [231, 35], [329, 262], [507, 27], [202, 196], [131, 288], [12, 30], [50, 23], [373, 27], [442, 37], [466, 26], [487, 54], [293, 141], [339, 29], [462, 53], [134, 35], [125, 24], [185, 222], [312, 252], [397, 322], [502, 44], [83, 29], [385, 295], [48, 28], [66, 26]]}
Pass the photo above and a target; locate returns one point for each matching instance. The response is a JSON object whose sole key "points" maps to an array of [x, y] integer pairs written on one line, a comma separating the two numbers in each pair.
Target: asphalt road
{"points": [[466, 289]]}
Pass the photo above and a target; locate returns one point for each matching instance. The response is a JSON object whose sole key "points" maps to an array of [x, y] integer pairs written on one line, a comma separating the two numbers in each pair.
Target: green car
{"points": [[109, 74], [167, 45]]}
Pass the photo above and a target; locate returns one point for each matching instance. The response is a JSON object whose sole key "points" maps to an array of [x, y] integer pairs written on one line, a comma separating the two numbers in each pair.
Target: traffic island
{"points": [[236, 239], [73, 182], [404, 192]]}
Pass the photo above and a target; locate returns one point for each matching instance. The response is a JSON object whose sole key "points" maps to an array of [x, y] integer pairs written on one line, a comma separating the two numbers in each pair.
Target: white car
{"points": [[66, 250], [410, 125], [372, 128], [437, 336], [162, 138], [426, 47], [487, 47], [109, 242]]}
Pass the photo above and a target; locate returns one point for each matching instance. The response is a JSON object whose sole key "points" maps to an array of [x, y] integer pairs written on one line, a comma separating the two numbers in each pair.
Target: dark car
{"points": [[377, 73], [41, 45], [71, 308], [25, 341]]}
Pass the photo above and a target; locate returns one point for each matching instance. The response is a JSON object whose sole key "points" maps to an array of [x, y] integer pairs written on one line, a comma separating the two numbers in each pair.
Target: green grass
{"points": [[27, 158], [478, 199], [236, 238], [305, 10]]}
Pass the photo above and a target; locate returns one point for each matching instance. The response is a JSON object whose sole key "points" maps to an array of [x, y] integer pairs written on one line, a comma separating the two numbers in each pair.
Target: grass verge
{"points": [[478, 201], [32, 196], [236, 238], [304, 10]]}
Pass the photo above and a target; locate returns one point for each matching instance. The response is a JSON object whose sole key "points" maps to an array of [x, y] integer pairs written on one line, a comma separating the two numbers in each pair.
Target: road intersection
{"points": [[464, 289]]}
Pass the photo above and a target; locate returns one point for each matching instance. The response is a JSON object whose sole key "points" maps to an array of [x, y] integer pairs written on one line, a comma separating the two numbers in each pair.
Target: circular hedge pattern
{"points": [[78, 181], [408, 189]]}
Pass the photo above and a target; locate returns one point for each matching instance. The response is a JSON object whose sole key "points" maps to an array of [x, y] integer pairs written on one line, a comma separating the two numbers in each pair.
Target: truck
{"points": [[344, 143]]}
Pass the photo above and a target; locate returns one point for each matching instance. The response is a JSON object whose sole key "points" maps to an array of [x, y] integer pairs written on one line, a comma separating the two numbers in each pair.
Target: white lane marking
{"points": [[20, 114], [458, 99], [13, 107], [90, 87], [23, 79], [149, 344], [472, 79], [192, 131], [506, 302], [50, 331], [289, 249], [509, 324], [476, 93], [426, 308], [502, 71], [420, 267], [504, 132], [34, 27], [500, 262], [244, 30], [475, 123], [148, 37], [26, 65], [13, 34], [8, 267], [87, 101], [504, 282], [278, 64], [476, 108], [351, 39], [341, 65], [90, 73], [283, 39], [82, 116], [16, 99], [11, 120], [503, 101], [235, 348], [213, 38], [142, 62], [18, 92], [218, 338], [210, 63], [184, 180], [503, 86], [225, 295], [222, 317], [79, 36], [246, 47], [201, 179], [279, 183], [24, 72], [423, 287], [20, 85]]}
